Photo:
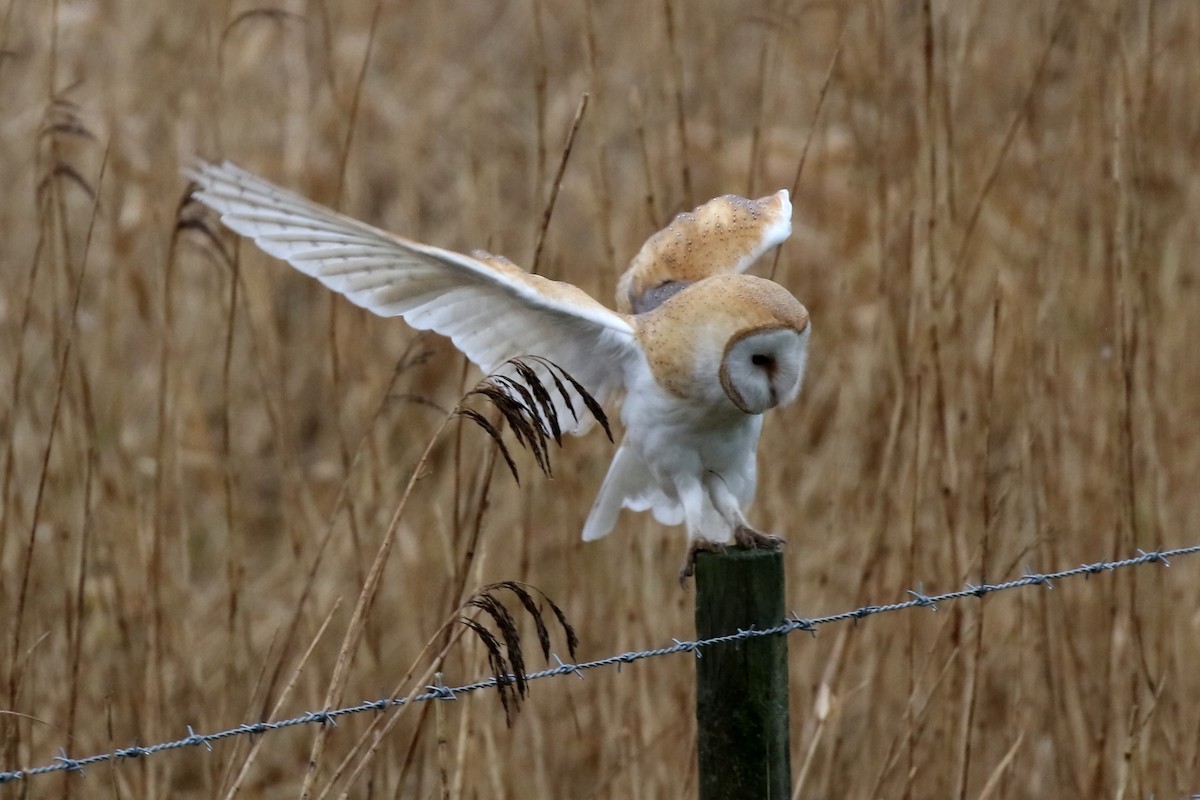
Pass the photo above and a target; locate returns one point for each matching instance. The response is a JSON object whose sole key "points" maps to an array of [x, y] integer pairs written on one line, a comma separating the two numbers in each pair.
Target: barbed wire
{"points": [[64, 763]]}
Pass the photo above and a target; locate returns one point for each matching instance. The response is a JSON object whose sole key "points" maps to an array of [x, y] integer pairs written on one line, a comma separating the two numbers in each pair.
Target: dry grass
{"points": [[202, 451]]}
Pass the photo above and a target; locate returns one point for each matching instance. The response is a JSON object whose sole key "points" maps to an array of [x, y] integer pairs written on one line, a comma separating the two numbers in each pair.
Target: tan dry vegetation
{"points": [[996, 221]]}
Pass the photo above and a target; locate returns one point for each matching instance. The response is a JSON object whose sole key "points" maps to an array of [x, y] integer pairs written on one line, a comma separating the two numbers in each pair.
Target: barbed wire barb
{"points": [[439, 691]]}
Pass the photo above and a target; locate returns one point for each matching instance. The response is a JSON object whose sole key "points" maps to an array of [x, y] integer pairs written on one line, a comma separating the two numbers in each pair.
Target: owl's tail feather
{"points": [[629, 483]]}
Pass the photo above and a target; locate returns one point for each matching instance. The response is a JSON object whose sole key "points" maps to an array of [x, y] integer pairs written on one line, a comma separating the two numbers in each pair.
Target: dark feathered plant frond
{"points": [[193, 216], [520, 393], [507, 661]]}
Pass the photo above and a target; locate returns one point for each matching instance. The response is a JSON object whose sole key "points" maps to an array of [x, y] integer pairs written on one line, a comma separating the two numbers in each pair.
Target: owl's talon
{"points": [[689, 566], [750, 539]]}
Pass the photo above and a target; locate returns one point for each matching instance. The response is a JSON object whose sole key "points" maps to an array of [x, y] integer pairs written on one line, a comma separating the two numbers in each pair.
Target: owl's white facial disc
{"points": [[763, 369]]}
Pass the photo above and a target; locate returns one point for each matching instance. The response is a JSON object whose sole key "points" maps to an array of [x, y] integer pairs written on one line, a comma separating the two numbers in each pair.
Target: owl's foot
{"points": [[698, 546], [750, 539]]}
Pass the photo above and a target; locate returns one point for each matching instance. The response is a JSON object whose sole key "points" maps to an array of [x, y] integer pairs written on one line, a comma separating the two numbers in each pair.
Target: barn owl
{"points": [[698, 348]]}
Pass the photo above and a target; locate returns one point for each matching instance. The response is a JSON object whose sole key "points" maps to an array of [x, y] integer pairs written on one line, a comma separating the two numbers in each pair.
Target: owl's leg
{"points": [[691, 497], [727, 505]]}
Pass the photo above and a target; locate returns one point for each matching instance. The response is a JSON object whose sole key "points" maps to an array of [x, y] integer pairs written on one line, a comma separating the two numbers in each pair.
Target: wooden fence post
{"points": [[742, 687]]}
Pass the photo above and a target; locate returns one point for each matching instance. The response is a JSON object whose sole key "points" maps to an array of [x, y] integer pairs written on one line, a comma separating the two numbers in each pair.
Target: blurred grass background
{"points": [[994, 226]]}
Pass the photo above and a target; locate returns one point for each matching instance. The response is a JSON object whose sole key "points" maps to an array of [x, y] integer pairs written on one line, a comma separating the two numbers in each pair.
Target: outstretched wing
{"points": [[726, 234], [491, 309]]}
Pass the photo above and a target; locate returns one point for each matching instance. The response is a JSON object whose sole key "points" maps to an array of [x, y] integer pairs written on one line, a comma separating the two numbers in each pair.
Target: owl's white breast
{"points": [[682, 436]]}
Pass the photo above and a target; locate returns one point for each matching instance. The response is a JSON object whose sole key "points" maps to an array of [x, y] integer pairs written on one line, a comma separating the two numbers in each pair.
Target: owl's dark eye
{"points": [[760, 360]]}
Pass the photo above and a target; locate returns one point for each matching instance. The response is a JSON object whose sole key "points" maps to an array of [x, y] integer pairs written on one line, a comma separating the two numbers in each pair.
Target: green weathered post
{"points": [[742, 687]]}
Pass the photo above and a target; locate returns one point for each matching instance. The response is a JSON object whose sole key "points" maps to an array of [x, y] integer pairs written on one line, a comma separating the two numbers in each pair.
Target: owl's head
{"points": [[735, 339], [762, 368]]}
